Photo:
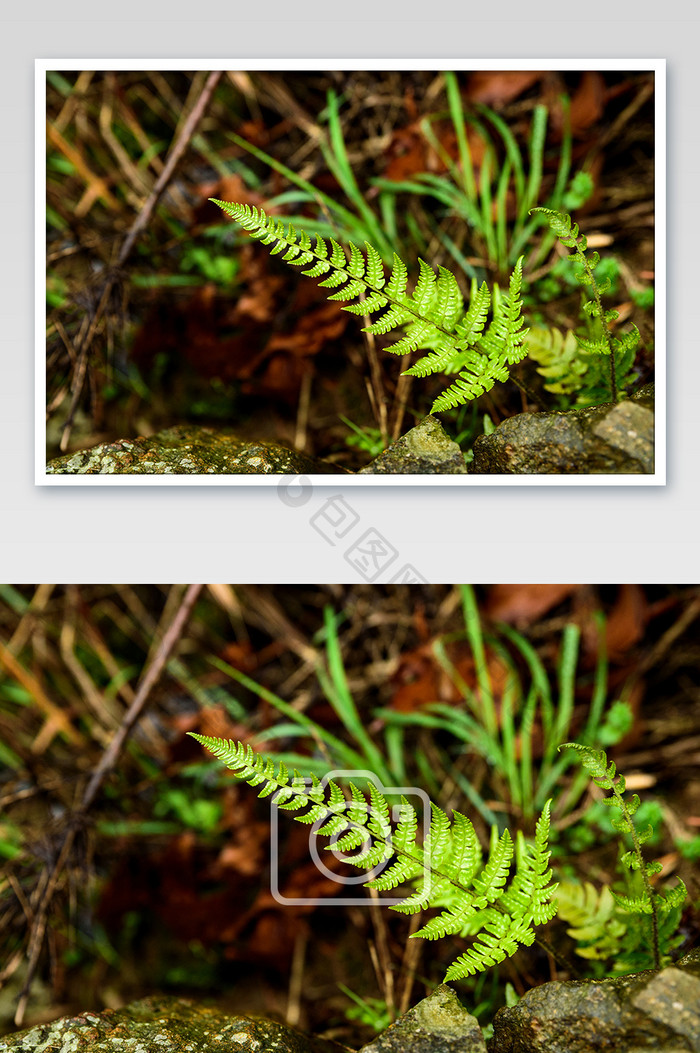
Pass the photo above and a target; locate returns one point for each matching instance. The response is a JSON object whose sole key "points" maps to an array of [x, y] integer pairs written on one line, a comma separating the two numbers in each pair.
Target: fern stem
{"points": [[604, 775], [645, 877], [613, 378], [529, 393], [601, 314]]}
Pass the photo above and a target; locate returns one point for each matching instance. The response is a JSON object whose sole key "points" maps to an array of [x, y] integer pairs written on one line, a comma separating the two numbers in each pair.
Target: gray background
{"points": [[247, 533]]}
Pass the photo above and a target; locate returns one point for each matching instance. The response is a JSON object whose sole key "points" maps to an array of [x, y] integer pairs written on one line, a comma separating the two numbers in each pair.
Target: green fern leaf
{"points": [[448, 870], [432, 316], [469, 386]]}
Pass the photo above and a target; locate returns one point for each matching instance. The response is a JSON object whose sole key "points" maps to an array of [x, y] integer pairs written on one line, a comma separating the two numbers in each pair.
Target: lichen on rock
{"points": [[599, 440], [426, 449], [189, 450], [165, 1024]]}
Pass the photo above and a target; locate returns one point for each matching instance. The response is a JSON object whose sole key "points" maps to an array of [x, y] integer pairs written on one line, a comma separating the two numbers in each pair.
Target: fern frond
{"points": [[649, 901], [432, 316], [449, 869], [568, 234]]}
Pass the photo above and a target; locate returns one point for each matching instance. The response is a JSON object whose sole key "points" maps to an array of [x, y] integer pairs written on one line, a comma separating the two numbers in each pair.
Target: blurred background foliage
{"points": [[462, 691], [196, 323]]}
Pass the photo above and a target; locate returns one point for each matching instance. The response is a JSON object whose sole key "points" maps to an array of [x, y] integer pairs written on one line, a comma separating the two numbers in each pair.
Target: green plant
{"points": [[433, 315], [502, 730], [607, 934], [605, 343], [373, 1012], [361, 752], [642, 900], [483, 202], [449, 869], [480, 203], [333, 219], [367, 439], [572, 372]]}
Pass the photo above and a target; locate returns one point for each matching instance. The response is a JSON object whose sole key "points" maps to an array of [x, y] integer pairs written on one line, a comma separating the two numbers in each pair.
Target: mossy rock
{"points": [[657, 1011], [426, 449], [189, 450], [165, 1024], [612, 439], [438, 1024]]}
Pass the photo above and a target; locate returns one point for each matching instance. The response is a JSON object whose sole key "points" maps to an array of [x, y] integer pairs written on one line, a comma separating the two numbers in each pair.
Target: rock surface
{"points": [[657, 1011], [426, 449], [165, 1025], [438, 1024], [599, 440], [649, 1010], [189, 450]]}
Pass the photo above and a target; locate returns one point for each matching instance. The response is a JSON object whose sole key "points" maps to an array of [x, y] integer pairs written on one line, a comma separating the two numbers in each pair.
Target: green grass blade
{"points": [[395, 751], [539, 676], [344, 215], [562, 179], [555, 199], [600, 686], [501, 217], [475, 798], [567, 683], [512, 153], [454, 251], [510, 770], [454, 101], [472, 623], [337, 747], [527, 724], [340, 697], [387, 210], [487, 224], [537, 139], [427, 774], [336, 156]]}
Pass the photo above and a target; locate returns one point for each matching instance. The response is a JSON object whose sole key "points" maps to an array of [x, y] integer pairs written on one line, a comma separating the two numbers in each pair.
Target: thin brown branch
{"points": [[109, 759], [171, 637], [141, 221], [188, 130]]}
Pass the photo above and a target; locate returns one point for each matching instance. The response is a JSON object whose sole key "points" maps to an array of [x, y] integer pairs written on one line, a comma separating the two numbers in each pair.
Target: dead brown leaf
{"points": [[497, 87], [523, 604]]}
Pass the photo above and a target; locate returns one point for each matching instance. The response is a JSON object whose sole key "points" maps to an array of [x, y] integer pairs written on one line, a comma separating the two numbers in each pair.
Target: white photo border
{"points": [[657, 66]]}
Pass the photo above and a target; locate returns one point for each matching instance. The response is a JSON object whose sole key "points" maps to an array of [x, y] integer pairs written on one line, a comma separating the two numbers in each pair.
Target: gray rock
{"points": [[425, 450], [165, 1025], [598, 440], [438, 1024], [189, 450], [649, 1010], [644, 394]]}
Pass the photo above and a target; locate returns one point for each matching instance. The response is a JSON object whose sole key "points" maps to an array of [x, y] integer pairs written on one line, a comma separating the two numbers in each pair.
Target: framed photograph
{"points": [[385, 273]]}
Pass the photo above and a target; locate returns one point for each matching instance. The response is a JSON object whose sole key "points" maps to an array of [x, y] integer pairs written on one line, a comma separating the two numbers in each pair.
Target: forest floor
{"points": [[161, 311], [166, 883]]}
